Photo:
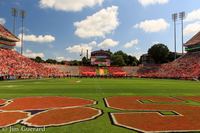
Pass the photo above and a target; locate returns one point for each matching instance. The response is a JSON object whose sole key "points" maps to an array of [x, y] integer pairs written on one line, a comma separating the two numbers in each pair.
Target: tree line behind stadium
{"points": [[157, 54]]}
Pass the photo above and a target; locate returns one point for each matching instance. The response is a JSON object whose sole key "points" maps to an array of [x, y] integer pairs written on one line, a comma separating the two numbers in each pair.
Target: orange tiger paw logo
{"points": [[46, 111], [146, 114]]}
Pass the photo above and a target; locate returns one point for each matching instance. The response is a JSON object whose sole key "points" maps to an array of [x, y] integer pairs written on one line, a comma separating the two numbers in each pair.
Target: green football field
{"points": [[96, 89]]}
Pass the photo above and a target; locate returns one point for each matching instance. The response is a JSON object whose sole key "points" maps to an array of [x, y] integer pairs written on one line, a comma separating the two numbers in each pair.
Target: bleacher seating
{"points": [[130, 70], [14, 65], [87, 71], [185, 67], [71, 70], [116, 72]]}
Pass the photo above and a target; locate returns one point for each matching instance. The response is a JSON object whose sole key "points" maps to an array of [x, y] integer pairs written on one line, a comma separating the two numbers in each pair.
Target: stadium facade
{"points": [[7, 39], [101, 58], [193, 45]]}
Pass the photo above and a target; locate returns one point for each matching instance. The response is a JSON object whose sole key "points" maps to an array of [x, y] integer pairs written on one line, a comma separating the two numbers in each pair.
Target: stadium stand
{"points": [[7, 39], [185, 67], [71, 70], [130, 70], [116, 72], [7, 35], [16, 66], [193, 45], [87, 71], [13, 66], [146, 70]]}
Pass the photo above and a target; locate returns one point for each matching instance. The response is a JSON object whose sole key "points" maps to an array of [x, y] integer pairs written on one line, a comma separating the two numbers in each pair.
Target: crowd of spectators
{"points": [[90, 71], [185, 67], [14, 66], [87, 71], [116, 72]]}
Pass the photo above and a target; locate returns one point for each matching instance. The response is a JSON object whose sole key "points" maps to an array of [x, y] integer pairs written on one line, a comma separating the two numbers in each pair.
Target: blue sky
{"points": [[59, 29]]}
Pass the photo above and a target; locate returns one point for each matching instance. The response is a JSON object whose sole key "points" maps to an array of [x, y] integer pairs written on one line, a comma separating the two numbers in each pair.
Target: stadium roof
{"points": [[194, 40], [5, 34], [100, 53]]}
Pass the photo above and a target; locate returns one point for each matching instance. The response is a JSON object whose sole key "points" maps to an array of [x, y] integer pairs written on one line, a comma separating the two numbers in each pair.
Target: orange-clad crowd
{"points": [[185, 67], [13, 66]]}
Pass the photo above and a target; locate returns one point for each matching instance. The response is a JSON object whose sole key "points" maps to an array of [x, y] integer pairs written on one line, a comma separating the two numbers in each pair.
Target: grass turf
{"points": [[96, 89]]}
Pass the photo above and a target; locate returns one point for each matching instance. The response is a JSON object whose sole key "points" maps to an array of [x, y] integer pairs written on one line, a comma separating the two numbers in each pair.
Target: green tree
{"points": [[172, 55], [132, 61], [128, 59], [38, 59], [124, 56], [85, 61], [75, 63], [51, 61], [62, 62], [117, 60], [159, 52]]}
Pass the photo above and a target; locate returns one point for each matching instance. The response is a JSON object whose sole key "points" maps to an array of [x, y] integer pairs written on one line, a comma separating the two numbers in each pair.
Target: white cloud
{"points": [[156, 25], [83, 47], [152, 2], [69, 5], [77, 48], [131, 43], [155, 42], [18, 44], [31, 54], [193, 16], [2, 21], [61, 58], [99, 24], [192, 28], [136, 54], [38, 39], [107, 43]]}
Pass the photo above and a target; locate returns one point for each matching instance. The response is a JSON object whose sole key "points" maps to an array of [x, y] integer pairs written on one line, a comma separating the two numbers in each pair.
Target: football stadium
{"points": [[98, 89]]}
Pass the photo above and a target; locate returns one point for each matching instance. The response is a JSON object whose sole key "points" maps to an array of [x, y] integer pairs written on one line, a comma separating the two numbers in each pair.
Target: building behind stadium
{"points": [[101, 58]]}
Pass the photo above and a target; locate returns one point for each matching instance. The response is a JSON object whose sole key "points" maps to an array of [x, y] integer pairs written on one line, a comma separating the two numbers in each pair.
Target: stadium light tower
{"points": [[14, 13], [174, 18], [182, 17], [22, 15]]}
